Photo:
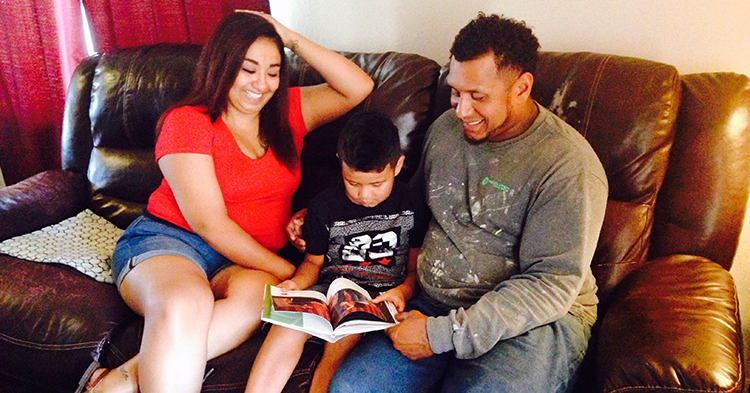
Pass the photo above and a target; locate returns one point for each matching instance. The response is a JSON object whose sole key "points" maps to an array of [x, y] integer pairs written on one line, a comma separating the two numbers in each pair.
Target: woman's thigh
{"points": [[240, 282], [167, 283]]}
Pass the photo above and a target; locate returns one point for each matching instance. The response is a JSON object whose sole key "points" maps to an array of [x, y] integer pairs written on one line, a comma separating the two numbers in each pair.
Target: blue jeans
{"points": [[146, 238], [543, 360]]}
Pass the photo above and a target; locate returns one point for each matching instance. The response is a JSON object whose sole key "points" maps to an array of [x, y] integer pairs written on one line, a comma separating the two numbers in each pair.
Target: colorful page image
{"points": [[301, 304], [353, 304]]}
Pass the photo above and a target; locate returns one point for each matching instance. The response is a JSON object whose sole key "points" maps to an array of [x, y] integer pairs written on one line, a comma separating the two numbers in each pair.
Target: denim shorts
{"points": [[148, 237]]}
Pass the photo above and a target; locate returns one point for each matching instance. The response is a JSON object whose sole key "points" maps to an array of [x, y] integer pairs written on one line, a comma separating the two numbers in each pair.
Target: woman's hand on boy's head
{"points": [[394, 296]]}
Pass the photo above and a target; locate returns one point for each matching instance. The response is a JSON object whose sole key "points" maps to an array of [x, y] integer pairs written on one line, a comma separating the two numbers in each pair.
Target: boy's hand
{"points": [[289, 285], [294, 230], [394, 296]]}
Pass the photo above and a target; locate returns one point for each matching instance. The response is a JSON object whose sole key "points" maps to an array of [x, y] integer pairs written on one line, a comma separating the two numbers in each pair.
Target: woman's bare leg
{"points": [[239, 292], [175, 299], [234, 317]]}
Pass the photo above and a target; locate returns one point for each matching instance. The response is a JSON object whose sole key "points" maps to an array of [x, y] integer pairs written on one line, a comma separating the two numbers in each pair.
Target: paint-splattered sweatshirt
{"points": [[515, 224]]}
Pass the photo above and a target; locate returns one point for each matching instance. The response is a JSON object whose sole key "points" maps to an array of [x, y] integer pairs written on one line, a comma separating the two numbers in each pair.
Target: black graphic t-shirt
{"points": [[368, 245]]}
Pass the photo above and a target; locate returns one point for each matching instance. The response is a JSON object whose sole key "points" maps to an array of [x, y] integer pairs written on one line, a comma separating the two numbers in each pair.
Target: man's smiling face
{"points": [[483, 98]]}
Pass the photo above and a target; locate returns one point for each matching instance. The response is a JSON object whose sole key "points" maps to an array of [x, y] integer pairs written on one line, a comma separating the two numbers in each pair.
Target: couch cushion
{"points": [[673, 326], [41, 200], [130, 89], [85, 242], [52, 318]]}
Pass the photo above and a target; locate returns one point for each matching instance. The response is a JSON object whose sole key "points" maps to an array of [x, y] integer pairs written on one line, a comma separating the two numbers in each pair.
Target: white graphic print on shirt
{"points": [[375, 247]]}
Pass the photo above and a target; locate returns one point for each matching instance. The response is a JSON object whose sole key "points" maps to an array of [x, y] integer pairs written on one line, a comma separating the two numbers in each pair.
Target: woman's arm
{"points": [[193, 182], [346, 84]]}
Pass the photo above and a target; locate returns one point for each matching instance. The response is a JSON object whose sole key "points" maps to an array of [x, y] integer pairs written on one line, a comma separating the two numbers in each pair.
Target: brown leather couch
{"points": [[675, 149]]}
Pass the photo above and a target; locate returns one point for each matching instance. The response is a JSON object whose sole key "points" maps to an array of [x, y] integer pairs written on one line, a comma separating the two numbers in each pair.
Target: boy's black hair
{"points": [[511, 41], [369, 142]]}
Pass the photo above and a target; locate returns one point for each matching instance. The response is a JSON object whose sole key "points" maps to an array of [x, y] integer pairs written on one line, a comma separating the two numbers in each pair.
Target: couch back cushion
{"points": [[702, 203], [626, 108], [113, 104], [115, 100], [404, 90]]}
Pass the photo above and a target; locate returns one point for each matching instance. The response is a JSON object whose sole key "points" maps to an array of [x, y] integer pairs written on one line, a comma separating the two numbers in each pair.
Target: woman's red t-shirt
{"points": [[257, 192]]}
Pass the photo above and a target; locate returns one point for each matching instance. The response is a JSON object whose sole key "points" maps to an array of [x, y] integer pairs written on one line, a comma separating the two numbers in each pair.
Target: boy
{"points": [[364, 230]]}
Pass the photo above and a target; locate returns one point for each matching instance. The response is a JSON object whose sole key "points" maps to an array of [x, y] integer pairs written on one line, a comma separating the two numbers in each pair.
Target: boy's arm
{"points": [[404, 292], [410, 287], [306, 274]]}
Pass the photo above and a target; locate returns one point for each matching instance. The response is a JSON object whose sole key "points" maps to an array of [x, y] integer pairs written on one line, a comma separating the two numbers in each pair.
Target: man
{"points": [[517, 198]]}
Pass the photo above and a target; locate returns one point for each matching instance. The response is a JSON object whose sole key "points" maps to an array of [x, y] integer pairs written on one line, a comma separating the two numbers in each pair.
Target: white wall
{"points": [[692, 35]]}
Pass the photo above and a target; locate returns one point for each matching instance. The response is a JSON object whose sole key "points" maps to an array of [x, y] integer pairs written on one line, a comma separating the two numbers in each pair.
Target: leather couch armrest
{"points": [[673, 326], [41, 200]]}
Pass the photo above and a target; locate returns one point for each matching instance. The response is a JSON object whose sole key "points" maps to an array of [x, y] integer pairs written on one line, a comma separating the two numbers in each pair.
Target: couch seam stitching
{"points": [[592, 92]]}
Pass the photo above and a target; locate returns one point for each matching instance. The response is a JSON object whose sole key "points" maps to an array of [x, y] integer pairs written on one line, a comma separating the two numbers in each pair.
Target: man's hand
{"points": [[410, 336], [294, 230]]}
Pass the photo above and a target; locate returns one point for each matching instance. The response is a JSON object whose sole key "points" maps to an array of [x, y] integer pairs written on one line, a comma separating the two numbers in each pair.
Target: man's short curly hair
{"points": [[511, 41]]}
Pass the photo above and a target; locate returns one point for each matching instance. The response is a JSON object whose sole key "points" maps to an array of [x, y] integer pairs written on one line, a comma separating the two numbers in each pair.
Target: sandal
{"points": [[96, 378]]}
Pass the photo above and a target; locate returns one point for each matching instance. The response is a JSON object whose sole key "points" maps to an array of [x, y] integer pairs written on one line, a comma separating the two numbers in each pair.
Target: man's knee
{"points": [[541, 360]]}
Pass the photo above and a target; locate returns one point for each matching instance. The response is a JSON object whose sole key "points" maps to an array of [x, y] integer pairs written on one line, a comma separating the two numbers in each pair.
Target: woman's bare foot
{"points": [[119, 380]]}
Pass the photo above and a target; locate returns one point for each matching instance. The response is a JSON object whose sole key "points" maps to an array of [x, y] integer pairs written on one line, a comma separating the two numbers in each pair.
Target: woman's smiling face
{"points": [[258, 78]]}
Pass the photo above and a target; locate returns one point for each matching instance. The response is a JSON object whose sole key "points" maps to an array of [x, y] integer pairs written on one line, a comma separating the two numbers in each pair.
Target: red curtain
{"points": [[41, 41], [122, 24]]}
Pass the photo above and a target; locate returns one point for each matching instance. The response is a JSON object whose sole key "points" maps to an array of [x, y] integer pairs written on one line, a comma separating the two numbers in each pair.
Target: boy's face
{"points": [[368, 189]]}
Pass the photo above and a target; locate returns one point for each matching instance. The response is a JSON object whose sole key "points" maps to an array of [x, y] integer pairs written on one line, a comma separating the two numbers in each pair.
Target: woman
{"points": [[195, 264]]}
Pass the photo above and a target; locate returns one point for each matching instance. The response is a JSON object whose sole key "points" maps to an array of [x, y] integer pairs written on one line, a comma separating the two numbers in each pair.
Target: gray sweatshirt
{"points": [[515, 224]]}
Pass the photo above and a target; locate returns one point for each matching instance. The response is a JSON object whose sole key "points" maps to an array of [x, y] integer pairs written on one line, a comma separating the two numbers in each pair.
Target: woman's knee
{"points": [[239, 282], [182, 291]]}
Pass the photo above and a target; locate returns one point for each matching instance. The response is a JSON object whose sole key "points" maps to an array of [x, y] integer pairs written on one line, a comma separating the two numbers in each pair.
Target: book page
{"points": [[311, 302], [348, 301]]}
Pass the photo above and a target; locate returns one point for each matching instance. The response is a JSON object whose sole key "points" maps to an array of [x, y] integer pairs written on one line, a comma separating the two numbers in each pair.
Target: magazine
{"points": [[346, 309]]}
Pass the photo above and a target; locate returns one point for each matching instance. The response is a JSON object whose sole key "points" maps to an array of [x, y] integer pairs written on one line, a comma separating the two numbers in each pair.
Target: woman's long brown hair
{"points": [[218, 66]]}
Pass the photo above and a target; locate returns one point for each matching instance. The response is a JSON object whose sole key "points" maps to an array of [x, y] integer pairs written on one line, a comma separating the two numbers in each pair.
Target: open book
{"points": [[347, 309]]}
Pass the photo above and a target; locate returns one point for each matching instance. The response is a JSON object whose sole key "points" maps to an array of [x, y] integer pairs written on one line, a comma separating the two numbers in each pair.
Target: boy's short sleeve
{"points": [[314, 230], [185, 130]]}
